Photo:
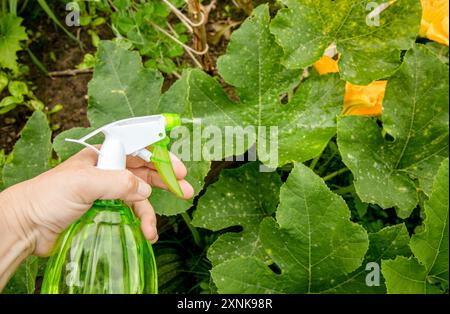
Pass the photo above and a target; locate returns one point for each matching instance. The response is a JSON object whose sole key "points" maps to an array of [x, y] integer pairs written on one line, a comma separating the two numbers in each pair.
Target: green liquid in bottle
{"points": [[104, 252]]}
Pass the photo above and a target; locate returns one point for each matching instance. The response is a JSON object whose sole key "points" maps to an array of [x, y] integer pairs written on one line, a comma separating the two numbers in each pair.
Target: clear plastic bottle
{"points": [[104, 252]]}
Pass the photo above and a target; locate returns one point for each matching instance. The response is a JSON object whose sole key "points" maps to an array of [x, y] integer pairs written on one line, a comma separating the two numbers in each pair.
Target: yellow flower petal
{"points": [[326, 65], [435, 22], [359, 99], [364, 100]]}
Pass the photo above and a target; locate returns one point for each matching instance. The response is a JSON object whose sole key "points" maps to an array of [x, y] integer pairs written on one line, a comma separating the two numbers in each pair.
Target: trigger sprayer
{"points": [[105, 250]]}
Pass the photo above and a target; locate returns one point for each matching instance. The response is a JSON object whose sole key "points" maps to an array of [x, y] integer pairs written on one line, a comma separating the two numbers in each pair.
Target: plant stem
{"points": [[345, 190], [24, 5], [13, 7], [193, 230], [111, 4], [334, 174], [324, 164], [314, 162], [36, 61]]}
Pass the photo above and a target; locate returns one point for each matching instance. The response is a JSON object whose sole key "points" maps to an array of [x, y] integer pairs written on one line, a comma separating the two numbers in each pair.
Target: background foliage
{"points": [[347, 190]]}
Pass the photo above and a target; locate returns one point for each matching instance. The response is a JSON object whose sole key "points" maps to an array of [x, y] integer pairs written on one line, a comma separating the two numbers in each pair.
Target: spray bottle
{"points": [[105, 251]]}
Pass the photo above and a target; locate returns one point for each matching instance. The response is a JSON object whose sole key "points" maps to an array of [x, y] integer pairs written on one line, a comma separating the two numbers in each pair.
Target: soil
{"points": [[71, 91]]}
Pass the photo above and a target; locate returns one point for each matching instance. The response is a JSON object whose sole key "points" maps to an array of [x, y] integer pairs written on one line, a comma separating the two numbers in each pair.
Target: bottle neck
{"points": [[111, 211]]}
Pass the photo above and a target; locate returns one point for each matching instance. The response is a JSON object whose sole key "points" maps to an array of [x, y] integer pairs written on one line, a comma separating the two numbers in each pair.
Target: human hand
{"points": [[47, 204]]}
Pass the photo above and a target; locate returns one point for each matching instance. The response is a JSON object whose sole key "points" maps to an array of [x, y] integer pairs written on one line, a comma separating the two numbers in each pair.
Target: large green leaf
{"points": [[235, 200], [441, 51], [428, 271], [370, 49], [405, 275], [11, 34], [204, 101], [252, 65], [416, 116], [431, 245], [253, 53], [31, 153], [122, 88], [307, 122], [313, 242], [387, 243]]}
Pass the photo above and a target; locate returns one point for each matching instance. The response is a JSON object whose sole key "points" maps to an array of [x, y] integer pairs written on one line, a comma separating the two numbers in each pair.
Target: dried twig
{"points": [[197, 14], [71, 72], [112, 5]]}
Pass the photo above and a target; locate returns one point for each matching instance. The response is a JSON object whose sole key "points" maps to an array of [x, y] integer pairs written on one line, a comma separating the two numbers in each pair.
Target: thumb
{"points": [[116, 184]]}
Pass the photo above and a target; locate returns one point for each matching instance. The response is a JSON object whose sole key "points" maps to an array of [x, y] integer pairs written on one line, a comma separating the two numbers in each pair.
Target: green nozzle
{"points": [[161, 160], [173, 120]]}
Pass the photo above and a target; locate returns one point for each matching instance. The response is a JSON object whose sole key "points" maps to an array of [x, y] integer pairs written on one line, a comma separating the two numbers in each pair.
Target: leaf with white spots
{"points": [[312, 242], [199, 97], [368, 35], [121, 87], [431, 245], [254, 54], [303, 126], [307, 122], [427, 272], [416, 116], [235, 200], [406, 276]]}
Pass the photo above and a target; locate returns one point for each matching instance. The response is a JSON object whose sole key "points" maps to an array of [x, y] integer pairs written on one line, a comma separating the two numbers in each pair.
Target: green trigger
{"points": [[161, 160]]}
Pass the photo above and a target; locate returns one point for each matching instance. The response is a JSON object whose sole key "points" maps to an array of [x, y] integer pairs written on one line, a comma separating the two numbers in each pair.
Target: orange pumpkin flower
{"points": [[434, 24], [364, 100], [326, 65]]}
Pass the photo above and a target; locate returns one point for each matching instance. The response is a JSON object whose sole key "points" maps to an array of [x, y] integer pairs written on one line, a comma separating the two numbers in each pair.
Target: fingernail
{"points": [[144, 189], [155, 238], [156, 230]]}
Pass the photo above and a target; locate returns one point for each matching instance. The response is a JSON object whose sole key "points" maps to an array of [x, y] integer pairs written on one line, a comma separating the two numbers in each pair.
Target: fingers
{"points": [[178, 167], [131, 186], [154, 179], [90, 157], [188, 190], [112, 184], [146, 214]]}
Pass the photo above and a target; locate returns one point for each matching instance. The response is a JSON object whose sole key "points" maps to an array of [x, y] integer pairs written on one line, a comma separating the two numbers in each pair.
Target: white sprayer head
{"points": [[126, 137]]}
